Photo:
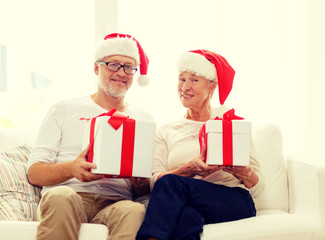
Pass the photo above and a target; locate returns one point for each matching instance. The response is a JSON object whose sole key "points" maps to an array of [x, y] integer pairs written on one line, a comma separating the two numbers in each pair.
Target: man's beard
{"points": [[114, 91]]}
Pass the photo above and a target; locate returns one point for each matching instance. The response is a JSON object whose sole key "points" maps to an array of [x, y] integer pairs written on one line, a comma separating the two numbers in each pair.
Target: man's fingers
{"points": [[88, 165], [85, 152], [89, 176]]}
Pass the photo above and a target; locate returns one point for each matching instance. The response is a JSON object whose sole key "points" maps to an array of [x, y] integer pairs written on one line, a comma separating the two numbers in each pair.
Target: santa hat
{"points": [[210, 65], [123, 44]]}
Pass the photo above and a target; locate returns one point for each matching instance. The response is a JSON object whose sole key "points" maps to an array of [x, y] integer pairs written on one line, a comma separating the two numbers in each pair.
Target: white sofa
{"points": [[292, 206]]}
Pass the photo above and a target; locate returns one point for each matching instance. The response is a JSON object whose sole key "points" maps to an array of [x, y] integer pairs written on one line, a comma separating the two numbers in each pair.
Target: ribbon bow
{"points": [[116, 120], [229, 115], [227, 146]]}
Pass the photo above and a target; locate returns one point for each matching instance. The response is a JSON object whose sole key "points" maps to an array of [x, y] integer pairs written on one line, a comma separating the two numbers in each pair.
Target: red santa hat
{"points": [[210, 65], [123, 44]]}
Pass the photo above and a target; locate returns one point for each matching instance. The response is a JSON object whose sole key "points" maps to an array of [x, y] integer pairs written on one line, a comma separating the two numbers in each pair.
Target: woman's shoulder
{"points": [[219, 111]]}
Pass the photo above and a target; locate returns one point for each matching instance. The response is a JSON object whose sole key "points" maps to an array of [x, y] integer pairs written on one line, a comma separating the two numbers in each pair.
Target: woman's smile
{"points": [[186, 96]]}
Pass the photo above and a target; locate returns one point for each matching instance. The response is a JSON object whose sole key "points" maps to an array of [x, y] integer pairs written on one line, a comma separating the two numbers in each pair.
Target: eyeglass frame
{"points": [[135, 69]]}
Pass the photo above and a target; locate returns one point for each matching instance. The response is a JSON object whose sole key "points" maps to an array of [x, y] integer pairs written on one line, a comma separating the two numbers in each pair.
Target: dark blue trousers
{"points": [[180, 206]]}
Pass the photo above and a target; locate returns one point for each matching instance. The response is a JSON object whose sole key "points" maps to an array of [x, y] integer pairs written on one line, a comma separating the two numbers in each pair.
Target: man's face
{"points": [[113, 83]]}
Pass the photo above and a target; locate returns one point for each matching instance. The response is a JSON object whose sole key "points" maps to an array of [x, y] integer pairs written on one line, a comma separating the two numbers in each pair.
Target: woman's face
{"points": [[194, 91]]}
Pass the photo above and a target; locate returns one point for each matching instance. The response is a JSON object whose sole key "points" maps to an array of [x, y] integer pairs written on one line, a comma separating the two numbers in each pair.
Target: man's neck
{"points": [[109, 102]]}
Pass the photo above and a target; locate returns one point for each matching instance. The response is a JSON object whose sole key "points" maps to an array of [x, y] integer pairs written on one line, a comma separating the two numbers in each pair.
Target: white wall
{"points": [[51, 38], [276, 48]]}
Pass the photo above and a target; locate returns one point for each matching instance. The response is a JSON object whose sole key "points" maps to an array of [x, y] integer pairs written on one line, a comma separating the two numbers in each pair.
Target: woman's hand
{"points": [[245, 174], [198, 167]]}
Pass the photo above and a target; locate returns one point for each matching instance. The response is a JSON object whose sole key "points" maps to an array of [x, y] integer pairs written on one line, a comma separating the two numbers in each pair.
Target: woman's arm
{"points": [[251, 176]]}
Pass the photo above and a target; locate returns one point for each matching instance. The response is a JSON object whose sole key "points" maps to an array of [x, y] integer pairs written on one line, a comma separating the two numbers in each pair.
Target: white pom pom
{"points": [[143, 80]]}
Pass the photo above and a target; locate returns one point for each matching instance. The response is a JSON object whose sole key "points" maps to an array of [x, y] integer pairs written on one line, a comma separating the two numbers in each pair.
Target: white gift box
{"points": [[108, 144], [241, 131]]}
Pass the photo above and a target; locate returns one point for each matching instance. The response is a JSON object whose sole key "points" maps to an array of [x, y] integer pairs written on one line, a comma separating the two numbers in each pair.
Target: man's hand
{"points": [[80, 168], [49, 174], [140, 186]]}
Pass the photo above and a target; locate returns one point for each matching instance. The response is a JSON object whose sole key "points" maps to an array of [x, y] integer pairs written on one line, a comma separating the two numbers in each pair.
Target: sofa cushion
{"points": [[28, 230], [12, 137], [18, 198], [268, 142], [276, 225]]}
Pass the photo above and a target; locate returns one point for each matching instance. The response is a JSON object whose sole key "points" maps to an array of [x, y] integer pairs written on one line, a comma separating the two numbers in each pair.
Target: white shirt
{"points": [[60, 139], [177, 143]]}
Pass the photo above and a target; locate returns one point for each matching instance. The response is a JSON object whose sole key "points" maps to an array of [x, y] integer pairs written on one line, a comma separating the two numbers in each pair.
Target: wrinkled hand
{"points": [[246, 174], [80, 168], [198, 167], [140, 185]]}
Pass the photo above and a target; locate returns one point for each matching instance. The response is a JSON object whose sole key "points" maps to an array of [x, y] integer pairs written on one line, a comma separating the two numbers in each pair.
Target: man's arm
{"points": [[48, 174]]}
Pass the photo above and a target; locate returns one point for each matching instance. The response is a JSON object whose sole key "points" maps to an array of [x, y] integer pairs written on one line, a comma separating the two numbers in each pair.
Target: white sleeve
{"points": [[259, 187], [160, 156], [48, 139]]}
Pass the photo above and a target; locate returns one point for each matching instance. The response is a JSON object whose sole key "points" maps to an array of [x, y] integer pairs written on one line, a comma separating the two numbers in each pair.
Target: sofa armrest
{"points": [[306, 179]]}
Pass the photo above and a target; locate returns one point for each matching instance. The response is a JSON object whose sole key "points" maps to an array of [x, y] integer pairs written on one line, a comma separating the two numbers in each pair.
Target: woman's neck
{"points": [[201, 115]]}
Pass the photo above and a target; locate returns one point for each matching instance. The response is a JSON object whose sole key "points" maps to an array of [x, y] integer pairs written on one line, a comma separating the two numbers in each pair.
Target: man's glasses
{"points": [[128, 69]]}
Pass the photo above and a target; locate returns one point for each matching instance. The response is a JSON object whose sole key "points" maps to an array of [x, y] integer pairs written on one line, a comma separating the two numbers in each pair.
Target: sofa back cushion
{"points": [[12, 137], [18, 198], [268, 143]]}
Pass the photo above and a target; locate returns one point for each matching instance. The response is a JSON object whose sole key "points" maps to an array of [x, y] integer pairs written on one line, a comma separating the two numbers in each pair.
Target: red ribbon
{"points": [[127, 148], [116, 120], [227, 146], [203, 139]]}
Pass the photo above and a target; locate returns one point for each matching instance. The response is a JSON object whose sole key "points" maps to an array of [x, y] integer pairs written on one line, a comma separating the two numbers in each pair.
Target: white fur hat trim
{"points": [[143, 80], [198, 65], [117, 46]]}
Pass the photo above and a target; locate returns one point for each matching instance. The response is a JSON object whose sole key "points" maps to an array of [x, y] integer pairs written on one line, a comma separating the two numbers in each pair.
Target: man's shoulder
{"points": [[75, 101], [139, 113], [71, 103], [80, 107]]}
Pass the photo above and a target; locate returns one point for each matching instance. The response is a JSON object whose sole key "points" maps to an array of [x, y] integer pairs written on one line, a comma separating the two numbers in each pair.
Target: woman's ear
{"points": [[214, 85], [96, 68]]}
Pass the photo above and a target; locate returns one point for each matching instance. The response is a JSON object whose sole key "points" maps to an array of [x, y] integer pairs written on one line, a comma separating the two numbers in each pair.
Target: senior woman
{"points": [[187, 193]]}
